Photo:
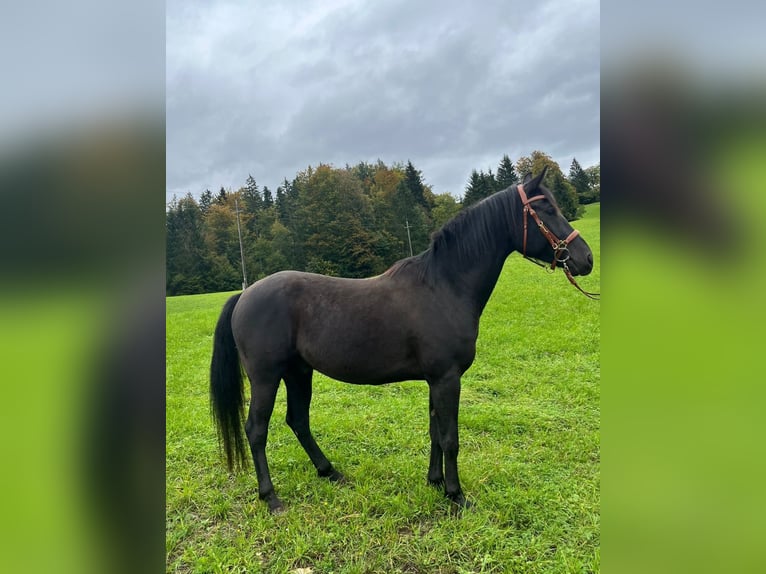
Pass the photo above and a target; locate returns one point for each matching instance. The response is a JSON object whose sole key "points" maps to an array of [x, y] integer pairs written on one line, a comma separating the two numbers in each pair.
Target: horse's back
{"points": [[275, 313]]}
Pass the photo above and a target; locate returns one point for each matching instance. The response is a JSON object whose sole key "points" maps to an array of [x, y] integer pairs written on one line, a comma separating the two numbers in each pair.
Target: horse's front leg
{"points": [[436, 464], [445, 398]]}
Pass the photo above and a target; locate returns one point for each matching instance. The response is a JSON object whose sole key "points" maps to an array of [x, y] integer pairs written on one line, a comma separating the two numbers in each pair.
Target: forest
{"points": [[354, 221]]}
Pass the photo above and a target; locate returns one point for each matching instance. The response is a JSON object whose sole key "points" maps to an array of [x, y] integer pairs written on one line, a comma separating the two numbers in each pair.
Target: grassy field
{"points": [[529, 458]]}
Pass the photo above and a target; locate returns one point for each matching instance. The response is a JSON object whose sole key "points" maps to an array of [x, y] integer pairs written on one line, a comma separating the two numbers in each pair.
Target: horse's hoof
{"points": [[337, 478], [436, 482], [275, 505], [334, 476], [460, 502]]}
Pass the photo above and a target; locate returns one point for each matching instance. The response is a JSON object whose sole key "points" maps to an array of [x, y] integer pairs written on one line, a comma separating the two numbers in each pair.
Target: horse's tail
{"points": [[226, 392]]}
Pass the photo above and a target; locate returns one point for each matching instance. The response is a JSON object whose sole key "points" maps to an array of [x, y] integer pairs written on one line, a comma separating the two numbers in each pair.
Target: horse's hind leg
{"points": [[298, 383], [264, 391]]}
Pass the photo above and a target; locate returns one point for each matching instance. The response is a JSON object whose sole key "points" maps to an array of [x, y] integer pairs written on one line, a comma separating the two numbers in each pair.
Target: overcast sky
{"points": [[267, 88]]}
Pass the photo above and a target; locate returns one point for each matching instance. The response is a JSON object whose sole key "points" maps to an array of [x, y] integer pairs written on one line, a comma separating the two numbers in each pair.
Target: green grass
{"points": [[529, 458]]}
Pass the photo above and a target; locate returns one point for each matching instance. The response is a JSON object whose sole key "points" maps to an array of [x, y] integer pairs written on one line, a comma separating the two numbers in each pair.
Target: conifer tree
{"points": [[506, 174], [488, 183], [186, 258], [414, 182], [472, 189], [280, 203], [268, 199], [251, 196], [205, 201], [579, 179]]}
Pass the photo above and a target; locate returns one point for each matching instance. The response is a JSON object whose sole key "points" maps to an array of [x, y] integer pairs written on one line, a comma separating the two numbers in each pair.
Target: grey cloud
{"points": [[268, 92]]}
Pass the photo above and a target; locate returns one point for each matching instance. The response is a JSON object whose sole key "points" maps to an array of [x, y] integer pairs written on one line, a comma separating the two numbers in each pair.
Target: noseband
{"points": [[560, 246]]}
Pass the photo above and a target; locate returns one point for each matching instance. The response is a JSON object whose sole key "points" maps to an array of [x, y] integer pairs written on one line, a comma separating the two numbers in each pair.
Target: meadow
{"points": [[529, 452]]}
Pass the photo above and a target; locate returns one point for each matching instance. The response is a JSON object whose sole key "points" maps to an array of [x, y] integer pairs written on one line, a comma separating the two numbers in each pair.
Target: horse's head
{"points": [[547, 235]]}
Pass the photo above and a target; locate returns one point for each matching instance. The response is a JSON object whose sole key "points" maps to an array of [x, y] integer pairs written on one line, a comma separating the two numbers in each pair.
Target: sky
{"points": [[268, 88]]}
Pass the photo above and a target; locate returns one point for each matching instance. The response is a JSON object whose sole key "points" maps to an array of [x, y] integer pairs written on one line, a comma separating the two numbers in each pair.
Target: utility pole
{"points": [[241, 251], [409, 239]]}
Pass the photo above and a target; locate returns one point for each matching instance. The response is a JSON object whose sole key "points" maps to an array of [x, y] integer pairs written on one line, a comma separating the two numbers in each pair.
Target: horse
{"points": [[419, 320]]}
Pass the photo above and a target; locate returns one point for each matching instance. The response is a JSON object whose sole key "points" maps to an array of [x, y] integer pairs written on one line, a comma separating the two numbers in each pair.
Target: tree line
{"points": [[352, 222]]}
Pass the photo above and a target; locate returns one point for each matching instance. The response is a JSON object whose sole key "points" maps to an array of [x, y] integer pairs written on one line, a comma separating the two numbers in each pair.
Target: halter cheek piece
{"points": [[560, 246]]}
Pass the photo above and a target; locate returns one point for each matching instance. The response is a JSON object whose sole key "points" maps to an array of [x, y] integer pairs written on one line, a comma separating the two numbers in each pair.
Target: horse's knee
{"points": [[256, 434], [450, 445]]}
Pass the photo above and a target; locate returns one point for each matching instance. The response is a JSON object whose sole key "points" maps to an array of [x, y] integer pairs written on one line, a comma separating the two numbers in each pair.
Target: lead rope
{"points": [[588, 294]]}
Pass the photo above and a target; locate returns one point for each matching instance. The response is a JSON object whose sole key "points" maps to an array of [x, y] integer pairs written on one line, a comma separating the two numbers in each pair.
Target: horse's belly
{"points": [[357, 377], [368, 361]]}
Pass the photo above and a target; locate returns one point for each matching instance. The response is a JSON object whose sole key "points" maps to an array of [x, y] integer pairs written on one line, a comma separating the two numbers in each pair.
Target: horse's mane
{"points": [[462, 240]]}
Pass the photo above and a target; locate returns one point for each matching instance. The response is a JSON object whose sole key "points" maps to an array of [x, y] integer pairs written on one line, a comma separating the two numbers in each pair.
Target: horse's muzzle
{"points": [[581, 267]]}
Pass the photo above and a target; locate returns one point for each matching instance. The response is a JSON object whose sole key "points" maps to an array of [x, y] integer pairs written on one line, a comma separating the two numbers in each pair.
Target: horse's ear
{"points": [[531, 184], [527, 177]]}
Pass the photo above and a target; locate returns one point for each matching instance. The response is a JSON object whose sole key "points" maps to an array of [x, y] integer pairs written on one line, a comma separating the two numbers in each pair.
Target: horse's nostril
{"points": [[590, 258]]}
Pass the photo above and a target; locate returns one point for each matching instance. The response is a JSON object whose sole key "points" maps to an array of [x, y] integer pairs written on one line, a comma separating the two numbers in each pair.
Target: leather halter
{"points": [[560, 246]]}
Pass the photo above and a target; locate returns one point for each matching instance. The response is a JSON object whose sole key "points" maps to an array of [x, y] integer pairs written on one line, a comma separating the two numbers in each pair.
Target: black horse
{"points": [[418, 320]]}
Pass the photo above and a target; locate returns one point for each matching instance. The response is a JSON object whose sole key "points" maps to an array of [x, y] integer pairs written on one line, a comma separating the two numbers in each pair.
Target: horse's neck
{"points": [[479, 280], [474, 267]]}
